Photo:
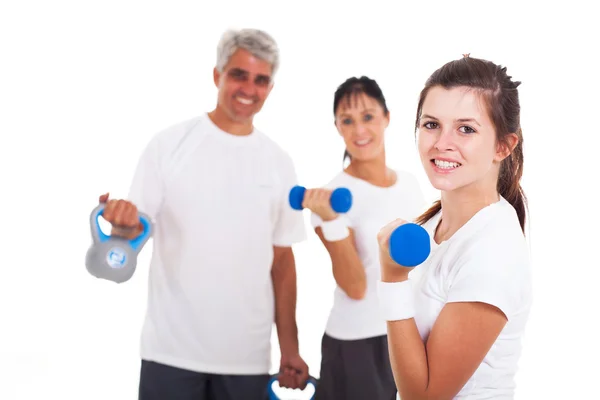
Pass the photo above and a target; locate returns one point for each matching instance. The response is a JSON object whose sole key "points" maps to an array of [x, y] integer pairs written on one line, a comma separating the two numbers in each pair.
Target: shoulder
{"points": [[501, 229], [492, 264], [497, 245], [178, 129], [171, 136], [341, 179]]}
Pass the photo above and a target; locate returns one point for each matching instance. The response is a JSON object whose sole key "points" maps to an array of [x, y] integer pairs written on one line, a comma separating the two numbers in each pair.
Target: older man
{"points": [[222, 268]]}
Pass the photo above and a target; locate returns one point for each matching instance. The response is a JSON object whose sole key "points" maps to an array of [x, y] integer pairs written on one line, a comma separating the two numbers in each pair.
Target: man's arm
{"points": [[283, 274], [288, 229], [293, 370], [146, 193]]}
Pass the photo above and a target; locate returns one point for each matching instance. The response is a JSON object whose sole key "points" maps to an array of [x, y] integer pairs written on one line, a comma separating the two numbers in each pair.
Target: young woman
{"points": [[455, 322], [355, 362]]}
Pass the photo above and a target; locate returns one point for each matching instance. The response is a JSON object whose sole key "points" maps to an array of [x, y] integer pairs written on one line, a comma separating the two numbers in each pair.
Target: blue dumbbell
{"points": [[272, 396], [409, 245], [341, 199]]}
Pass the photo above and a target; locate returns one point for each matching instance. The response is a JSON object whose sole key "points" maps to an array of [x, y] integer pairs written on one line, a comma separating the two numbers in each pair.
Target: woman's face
{"points": [[361, 121], [457, 140]]}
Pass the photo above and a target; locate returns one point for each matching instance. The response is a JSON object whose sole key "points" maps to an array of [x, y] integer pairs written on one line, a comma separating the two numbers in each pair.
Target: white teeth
{"points": [[446, 164], [244, 101], [363, 142]]}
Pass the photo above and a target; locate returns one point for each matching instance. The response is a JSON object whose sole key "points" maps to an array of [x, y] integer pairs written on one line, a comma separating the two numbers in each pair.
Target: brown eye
{"points": [[237, 74], [262, 80], [466, 129], [430, 125]]}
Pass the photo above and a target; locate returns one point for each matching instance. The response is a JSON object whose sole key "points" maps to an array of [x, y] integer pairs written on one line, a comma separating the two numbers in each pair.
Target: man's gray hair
{"points": [[257, 42]]}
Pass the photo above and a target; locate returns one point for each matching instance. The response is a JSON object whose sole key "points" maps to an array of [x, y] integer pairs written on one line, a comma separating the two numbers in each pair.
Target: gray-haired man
{"points": [[222, 268]]}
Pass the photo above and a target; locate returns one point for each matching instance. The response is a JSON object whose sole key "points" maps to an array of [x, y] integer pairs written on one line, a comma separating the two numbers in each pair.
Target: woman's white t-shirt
{"points": [[373, 207], [487, 260]]}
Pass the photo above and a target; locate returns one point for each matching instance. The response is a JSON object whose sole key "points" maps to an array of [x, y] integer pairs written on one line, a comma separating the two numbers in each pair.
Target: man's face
{"points": [[244, 85]]}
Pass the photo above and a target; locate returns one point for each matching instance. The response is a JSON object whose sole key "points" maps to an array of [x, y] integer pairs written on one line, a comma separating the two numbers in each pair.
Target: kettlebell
{"points": [[114, 258]]}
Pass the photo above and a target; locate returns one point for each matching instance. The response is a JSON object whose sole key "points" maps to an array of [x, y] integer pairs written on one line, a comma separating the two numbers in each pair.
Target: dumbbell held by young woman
{"points": [[403, 244]]}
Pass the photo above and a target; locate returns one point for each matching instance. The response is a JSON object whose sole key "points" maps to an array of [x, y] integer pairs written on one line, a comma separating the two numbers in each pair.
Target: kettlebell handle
{"points": [[275, 378], [98, 236]]}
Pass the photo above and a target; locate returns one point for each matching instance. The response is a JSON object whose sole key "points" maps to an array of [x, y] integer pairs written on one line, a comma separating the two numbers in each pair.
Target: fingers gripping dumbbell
{"points": [[341, 199]]}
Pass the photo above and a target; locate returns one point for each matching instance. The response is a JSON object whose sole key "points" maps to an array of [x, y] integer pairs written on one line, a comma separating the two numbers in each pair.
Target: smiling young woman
{"points": [[456, 333]]}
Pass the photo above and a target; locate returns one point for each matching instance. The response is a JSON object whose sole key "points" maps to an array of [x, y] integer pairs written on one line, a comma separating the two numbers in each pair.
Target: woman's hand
{"points": [[319, 202]]}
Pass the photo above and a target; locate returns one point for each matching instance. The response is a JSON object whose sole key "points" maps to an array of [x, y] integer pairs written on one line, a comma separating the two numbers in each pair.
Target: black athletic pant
{"points": [[163, 382], [355, 370]]}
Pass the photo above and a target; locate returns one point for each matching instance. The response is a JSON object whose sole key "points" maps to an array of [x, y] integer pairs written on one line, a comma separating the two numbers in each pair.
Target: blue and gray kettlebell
{"points": [[114, 258]]}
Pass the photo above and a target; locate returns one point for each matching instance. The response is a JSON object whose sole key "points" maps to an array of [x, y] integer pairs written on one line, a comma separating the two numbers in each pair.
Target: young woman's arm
{"points": [[438, 369], [348, 271], [465, 330]]}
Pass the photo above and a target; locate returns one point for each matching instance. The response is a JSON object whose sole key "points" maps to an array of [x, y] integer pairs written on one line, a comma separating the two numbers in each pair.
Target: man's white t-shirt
{"points": [[219, 203], [487, 260], [373, 207]]}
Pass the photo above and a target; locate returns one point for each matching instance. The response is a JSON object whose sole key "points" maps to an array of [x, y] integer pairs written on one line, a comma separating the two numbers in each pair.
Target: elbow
{"points": [[357, 292]]}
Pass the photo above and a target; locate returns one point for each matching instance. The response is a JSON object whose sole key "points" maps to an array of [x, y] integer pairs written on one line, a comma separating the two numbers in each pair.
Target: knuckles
{"points": [[120, 212]]}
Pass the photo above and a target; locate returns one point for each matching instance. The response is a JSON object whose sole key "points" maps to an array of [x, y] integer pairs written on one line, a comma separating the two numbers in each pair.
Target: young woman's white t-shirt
{"points": [[487, 260], [373, 207]]}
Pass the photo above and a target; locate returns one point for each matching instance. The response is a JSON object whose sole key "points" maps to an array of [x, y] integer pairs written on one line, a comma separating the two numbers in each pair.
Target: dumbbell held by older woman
{"points": [[341, 199]]}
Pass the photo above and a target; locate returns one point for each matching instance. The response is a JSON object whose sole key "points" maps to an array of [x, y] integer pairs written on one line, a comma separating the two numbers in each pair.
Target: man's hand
{"points": [[123, 216], [293, 372]]}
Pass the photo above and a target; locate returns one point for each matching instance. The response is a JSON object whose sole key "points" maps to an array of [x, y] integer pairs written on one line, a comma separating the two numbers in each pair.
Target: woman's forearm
{"points": [[348, 270]]}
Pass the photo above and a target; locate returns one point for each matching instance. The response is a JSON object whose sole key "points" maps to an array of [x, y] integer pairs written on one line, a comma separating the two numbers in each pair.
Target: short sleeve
{"points": [[147, 187], [289, 227], [496, 273]]}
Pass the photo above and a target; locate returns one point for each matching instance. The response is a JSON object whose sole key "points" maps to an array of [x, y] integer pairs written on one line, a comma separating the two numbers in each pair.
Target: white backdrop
{"points": [[84, 85]]}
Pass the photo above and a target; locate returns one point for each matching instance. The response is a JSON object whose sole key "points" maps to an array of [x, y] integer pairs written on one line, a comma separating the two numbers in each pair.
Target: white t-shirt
{"points": [[487, 260], [219, 203], [373, 207]]}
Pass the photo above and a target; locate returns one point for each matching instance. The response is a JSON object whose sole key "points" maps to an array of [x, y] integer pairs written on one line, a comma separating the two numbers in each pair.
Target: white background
{"points": [[84, 85]]}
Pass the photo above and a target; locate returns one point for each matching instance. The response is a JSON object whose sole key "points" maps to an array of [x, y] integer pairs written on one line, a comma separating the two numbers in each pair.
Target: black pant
{"points": [[355, 370], [163, 382]]}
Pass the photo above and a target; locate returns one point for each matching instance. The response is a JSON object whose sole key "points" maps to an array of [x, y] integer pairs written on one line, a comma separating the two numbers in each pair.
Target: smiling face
{"points": [[244, 85], [457, 140], [361, 121]]}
